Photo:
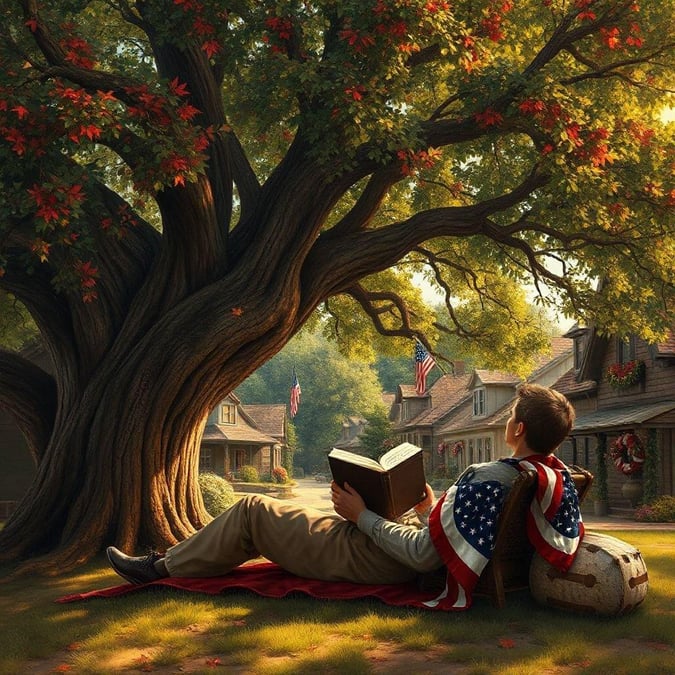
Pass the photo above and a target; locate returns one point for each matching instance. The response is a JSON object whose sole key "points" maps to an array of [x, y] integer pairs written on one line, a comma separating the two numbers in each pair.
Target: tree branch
{"points": [[369, 301]]}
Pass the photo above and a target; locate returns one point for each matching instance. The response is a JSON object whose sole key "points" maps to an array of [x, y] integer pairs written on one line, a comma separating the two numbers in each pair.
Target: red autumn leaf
{"points": [[32, 25], [489, 117], [506, 643], [186, 112], [62, 668], [237, 311], [144, 663], [178, 88], [74, 646], [211, 47], [213, 663], [20, 111]]}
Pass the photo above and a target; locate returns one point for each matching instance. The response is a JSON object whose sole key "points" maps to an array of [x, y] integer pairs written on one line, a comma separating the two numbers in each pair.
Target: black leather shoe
{"points": [[134, 570]]}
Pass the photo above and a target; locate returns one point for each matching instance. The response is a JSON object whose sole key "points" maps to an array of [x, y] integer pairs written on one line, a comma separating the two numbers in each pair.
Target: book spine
{"points": [[389, 492]]}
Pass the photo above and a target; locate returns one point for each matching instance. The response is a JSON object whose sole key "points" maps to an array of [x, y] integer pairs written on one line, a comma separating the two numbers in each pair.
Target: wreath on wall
{"points": [[627, 454], [457, 448]]}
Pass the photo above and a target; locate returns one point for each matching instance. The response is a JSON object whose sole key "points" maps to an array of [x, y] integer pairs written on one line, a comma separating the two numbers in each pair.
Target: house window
{"points": [[625, 350], [479, 450], [579, 344], [205, 459], [228, 414], [478, 402]]}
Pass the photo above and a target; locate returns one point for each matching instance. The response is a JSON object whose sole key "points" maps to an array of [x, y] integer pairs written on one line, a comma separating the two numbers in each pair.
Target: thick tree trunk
{"points": [[122, 462], [120, 469]]}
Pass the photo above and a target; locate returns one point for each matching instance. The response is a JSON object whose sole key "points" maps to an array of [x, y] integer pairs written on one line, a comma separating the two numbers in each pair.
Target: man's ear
{"points": [[520, 429]]}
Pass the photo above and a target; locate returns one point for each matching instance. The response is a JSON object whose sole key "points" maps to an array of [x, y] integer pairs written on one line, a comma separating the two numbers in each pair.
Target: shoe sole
{"points": [[132, 580]]}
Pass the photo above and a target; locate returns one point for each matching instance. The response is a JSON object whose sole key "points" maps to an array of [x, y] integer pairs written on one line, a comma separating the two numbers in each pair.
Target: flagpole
{"points": [[438, 365]]}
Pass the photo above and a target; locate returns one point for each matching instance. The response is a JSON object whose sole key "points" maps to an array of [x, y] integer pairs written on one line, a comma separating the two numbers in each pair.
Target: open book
{"points": [[389, 487]]}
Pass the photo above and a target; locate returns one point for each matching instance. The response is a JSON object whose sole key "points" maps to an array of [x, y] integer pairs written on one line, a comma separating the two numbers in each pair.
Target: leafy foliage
{"points": [[333, 387], [377, 436], [248, 474], [659, 510], [217, 493]]}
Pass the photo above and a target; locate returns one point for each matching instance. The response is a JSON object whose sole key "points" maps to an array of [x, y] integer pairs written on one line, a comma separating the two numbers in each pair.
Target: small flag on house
{"points": [[424, 362], [295, 395]]}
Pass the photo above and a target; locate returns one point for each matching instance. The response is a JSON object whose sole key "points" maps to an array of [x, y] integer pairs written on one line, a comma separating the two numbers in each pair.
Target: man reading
{"points": [[360, 546]]}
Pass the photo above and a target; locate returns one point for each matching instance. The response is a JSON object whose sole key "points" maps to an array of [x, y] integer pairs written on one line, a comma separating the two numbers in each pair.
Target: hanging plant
{"points": [[457, 448], [627, 454], [622, 375]]}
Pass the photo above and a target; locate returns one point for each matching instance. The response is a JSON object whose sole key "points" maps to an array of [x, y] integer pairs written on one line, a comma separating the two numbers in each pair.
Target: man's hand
{"points": [[347, 503], [427, 502]]}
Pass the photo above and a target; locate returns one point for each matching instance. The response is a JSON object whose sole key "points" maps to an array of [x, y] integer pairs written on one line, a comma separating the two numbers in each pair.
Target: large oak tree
{"points": [[186, 181]]}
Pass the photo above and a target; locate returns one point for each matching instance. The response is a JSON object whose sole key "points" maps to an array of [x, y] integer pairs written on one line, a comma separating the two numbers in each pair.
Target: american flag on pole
{"points": [[424, 362], [463, 526], [295, 395]]}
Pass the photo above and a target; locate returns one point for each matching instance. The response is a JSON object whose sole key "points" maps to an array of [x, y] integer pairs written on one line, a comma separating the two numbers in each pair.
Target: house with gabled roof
{"points": [[351, 429], [354, 425], [622, 386], [475, 432], [417, 419], [239, 435]]}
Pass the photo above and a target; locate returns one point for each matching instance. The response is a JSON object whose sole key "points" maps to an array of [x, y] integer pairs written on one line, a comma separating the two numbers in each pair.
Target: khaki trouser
{"points": [[303, 541]]}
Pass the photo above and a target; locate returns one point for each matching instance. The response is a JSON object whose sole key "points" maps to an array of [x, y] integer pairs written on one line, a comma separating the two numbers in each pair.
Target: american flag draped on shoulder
{"points": [[554, 524], [463, 526], [295, 395], [424, 362]]}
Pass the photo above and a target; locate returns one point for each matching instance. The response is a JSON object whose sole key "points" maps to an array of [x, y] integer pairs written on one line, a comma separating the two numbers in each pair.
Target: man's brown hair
{"points": [[547, 416]]}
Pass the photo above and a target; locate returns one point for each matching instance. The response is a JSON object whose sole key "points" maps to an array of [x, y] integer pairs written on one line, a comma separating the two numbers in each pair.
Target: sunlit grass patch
{"points": [[342, 656], [166, 630]]}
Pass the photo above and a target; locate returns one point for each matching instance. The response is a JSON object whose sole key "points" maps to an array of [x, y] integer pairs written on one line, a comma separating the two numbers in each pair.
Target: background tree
{"points": [[184, 184], [377, 437], [333, 387]]}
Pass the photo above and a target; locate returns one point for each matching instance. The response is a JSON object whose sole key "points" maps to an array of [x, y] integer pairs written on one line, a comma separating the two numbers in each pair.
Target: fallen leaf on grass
{"points": [[659, 646], [506, 643], [74, 646], [213, 663], [62, 668], [144, 663]]}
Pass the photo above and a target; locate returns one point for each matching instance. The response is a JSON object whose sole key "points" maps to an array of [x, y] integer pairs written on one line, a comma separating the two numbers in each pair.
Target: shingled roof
{"points": [[447, 392], [269, 418], [242, 433]]}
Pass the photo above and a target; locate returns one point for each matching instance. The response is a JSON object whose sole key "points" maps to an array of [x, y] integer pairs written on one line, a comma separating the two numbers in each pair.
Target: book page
{"points": [[353, 458], [398, 454]]}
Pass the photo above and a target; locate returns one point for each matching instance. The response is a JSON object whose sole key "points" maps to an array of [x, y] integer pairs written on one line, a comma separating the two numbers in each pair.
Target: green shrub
{"points": [[217, 493], [298, 472], [661, 510], [249, 474], [279, 475]]}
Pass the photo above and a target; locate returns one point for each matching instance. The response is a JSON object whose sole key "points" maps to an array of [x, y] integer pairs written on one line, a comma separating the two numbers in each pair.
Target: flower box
{"points": [[622, 375]]}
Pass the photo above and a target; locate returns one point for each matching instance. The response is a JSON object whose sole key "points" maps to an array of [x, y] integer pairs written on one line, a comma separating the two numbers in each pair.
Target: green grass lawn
{"points": [[167, 631]]}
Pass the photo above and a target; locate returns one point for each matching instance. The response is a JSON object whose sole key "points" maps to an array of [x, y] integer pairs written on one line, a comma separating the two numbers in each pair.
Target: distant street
{"points": [[310, 492]]}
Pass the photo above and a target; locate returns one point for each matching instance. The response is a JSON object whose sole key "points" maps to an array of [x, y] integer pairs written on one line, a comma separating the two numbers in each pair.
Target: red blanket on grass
{"points": [[271, 581]]}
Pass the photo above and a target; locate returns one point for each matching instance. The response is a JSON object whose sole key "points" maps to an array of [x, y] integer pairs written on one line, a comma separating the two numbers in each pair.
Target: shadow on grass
{"points": [[164, 630]]}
